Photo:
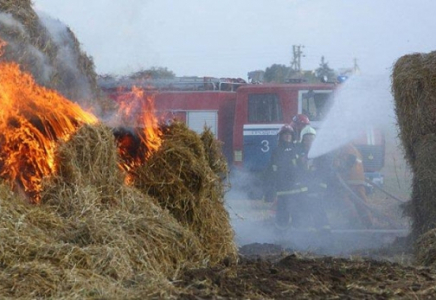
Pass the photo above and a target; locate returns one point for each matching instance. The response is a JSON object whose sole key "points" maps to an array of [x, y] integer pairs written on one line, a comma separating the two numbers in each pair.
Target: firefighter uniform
{"points": [[311, 209], [283, 170], [297, 187], [281, 174], [348, 164]]}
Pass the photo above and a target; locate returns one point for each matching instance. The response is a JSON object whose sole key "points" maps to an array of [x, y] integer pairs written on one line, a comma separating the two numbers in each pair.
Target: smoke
{"points": [[22, 51], [248, 216], [67, 55], [361, 103], [253, 221], [8, 20]]}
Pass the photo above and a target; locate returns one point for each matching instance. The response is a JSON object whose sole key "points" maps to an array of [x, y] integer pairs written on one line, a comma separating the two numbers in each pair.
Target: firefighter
{"points": [[350, 174], [310, 210], [299, 122], [281, 174]]}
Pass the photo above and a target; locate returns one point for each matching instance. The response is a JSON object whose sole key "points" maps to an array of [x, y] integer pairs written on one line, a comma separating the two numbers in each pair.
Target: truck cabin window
{"points": [[316, 105], [264, 108]]}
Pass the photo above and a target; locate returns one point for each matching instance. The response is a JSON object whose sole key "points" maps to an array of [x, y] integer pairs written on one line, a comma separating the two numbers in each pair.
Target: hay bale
{"points": [[92, 236], [422, 208], [414, 90], [213, 152], [425, 249], [89, 174], [182, 179], [91, 159]]}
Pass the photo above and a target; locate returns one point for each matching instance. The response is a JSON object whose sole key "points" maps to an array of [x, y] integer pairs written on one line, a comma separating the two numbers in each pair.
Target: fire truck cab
{"points": [[262, 109]]}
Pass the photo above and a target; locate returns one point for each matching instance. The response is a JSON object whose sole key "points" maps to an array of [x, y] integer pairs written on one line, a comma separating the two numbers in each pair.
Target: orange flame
{"points": [[32, 120], [137, 112], [140, 110]]}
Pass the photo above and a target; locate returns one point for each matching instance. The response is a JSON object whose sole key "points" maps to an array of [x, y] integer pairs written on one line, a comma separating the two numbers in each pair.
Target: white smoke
{"points": [[247, 213], [8, 20], [362, 102], [37, 59], [67, 54]]}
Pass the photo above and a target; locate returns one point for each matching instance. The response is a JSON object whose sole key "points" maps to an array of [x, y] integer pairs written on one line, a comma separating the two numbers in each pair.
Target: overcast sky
{"points": [[229, 38]]}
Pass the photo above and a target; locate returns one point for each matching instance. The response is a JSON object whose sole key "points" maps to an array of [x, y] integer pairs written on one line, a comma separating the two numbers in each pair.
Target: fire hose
{"points": [[362, 202], [382, 190]]}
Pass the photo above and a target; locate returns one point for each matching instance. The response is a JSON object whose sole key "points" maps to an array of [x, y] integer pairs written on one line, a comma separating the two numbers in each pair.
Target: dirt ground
{"points": [[267, 271], [305, 264], [342, 264], [345, 263]]}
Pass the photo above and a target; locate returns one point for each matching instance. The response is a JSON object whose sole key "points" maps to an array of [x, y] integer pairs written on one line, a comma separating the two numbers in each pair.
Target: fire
{"points": [[141, 135], [33, 119]]}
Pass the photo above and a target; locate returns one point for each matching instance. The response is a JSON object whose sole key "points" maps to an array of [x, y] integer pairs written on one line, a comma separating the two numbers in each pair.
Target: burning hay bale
{"points": [[33, 120], [414, 89], [91, 178], [184, 179], [91, 236]]}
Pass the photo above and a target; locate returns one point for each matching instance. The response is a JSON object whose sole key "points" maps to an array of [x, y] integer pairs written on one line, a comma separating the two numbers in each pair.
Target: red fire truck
{"points": [[246, 117]]}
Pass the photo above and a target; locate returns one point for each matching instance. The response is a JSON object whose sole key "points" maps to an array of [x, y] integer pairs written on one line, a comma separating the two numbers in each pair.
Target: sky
{"points": [[229, 38]]}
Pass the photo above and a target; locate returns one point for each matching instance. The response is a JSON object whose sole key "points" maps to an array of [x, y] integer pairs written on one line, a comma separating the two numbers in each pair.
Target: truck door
{"points": [[196, 120], [260, 134]]}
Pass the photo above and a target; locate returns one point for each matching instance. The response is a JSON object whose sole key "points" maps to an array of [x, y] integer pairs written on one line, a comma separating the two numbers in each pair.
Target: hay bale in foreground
{"points": [[92, 236], [422, 208], [425, 253], [188, 183], [414, 89]]}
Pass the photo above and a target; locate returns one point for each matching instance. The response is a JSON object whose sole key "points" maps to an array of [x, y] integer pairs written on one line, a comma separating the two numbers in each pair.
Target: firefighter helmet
{"points": [[286, 128], [301, 119]]}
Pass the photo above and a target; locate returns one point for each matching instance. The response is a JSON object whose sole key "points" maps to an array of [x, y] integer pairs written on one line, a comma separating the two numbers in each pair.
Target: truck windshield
{"points": [[264, 108], [316, 104]]}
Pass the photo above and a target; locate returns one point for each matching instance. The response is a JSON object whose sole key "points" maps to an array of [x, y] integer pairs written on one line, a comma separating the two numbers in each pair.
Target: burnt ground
{"points": [[267, 271]]}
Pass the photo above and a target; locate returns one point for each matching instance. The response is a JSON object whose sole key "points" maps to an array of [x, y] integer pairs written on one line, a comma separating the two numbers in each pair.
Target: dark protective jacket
{"points": [[304, 199], [314, 174], [282, 170]]}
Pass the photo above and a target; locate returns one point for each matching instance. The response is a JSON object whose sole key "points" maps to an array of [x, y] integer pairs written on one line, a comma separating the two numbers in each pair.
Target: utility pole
{"points": [[297, 54], [356, 69]]}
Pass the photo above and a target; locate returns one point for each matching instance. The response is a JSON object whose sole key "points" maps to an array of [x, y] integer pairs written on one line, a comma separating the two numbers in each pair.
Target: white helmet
{"points": [[307, 130]]}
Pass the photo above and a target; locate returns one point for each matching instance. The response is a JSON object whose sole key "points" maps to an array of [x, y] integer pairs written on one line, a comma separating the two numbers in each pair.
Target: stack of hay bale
{"points": [[414, 90], [93, 236]]}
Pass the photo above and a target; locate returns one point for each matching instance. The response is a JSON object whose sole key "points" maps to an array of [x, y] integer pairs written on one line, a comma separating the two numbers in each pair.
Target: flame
{"points": [[33, 119], [137, 113]]}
